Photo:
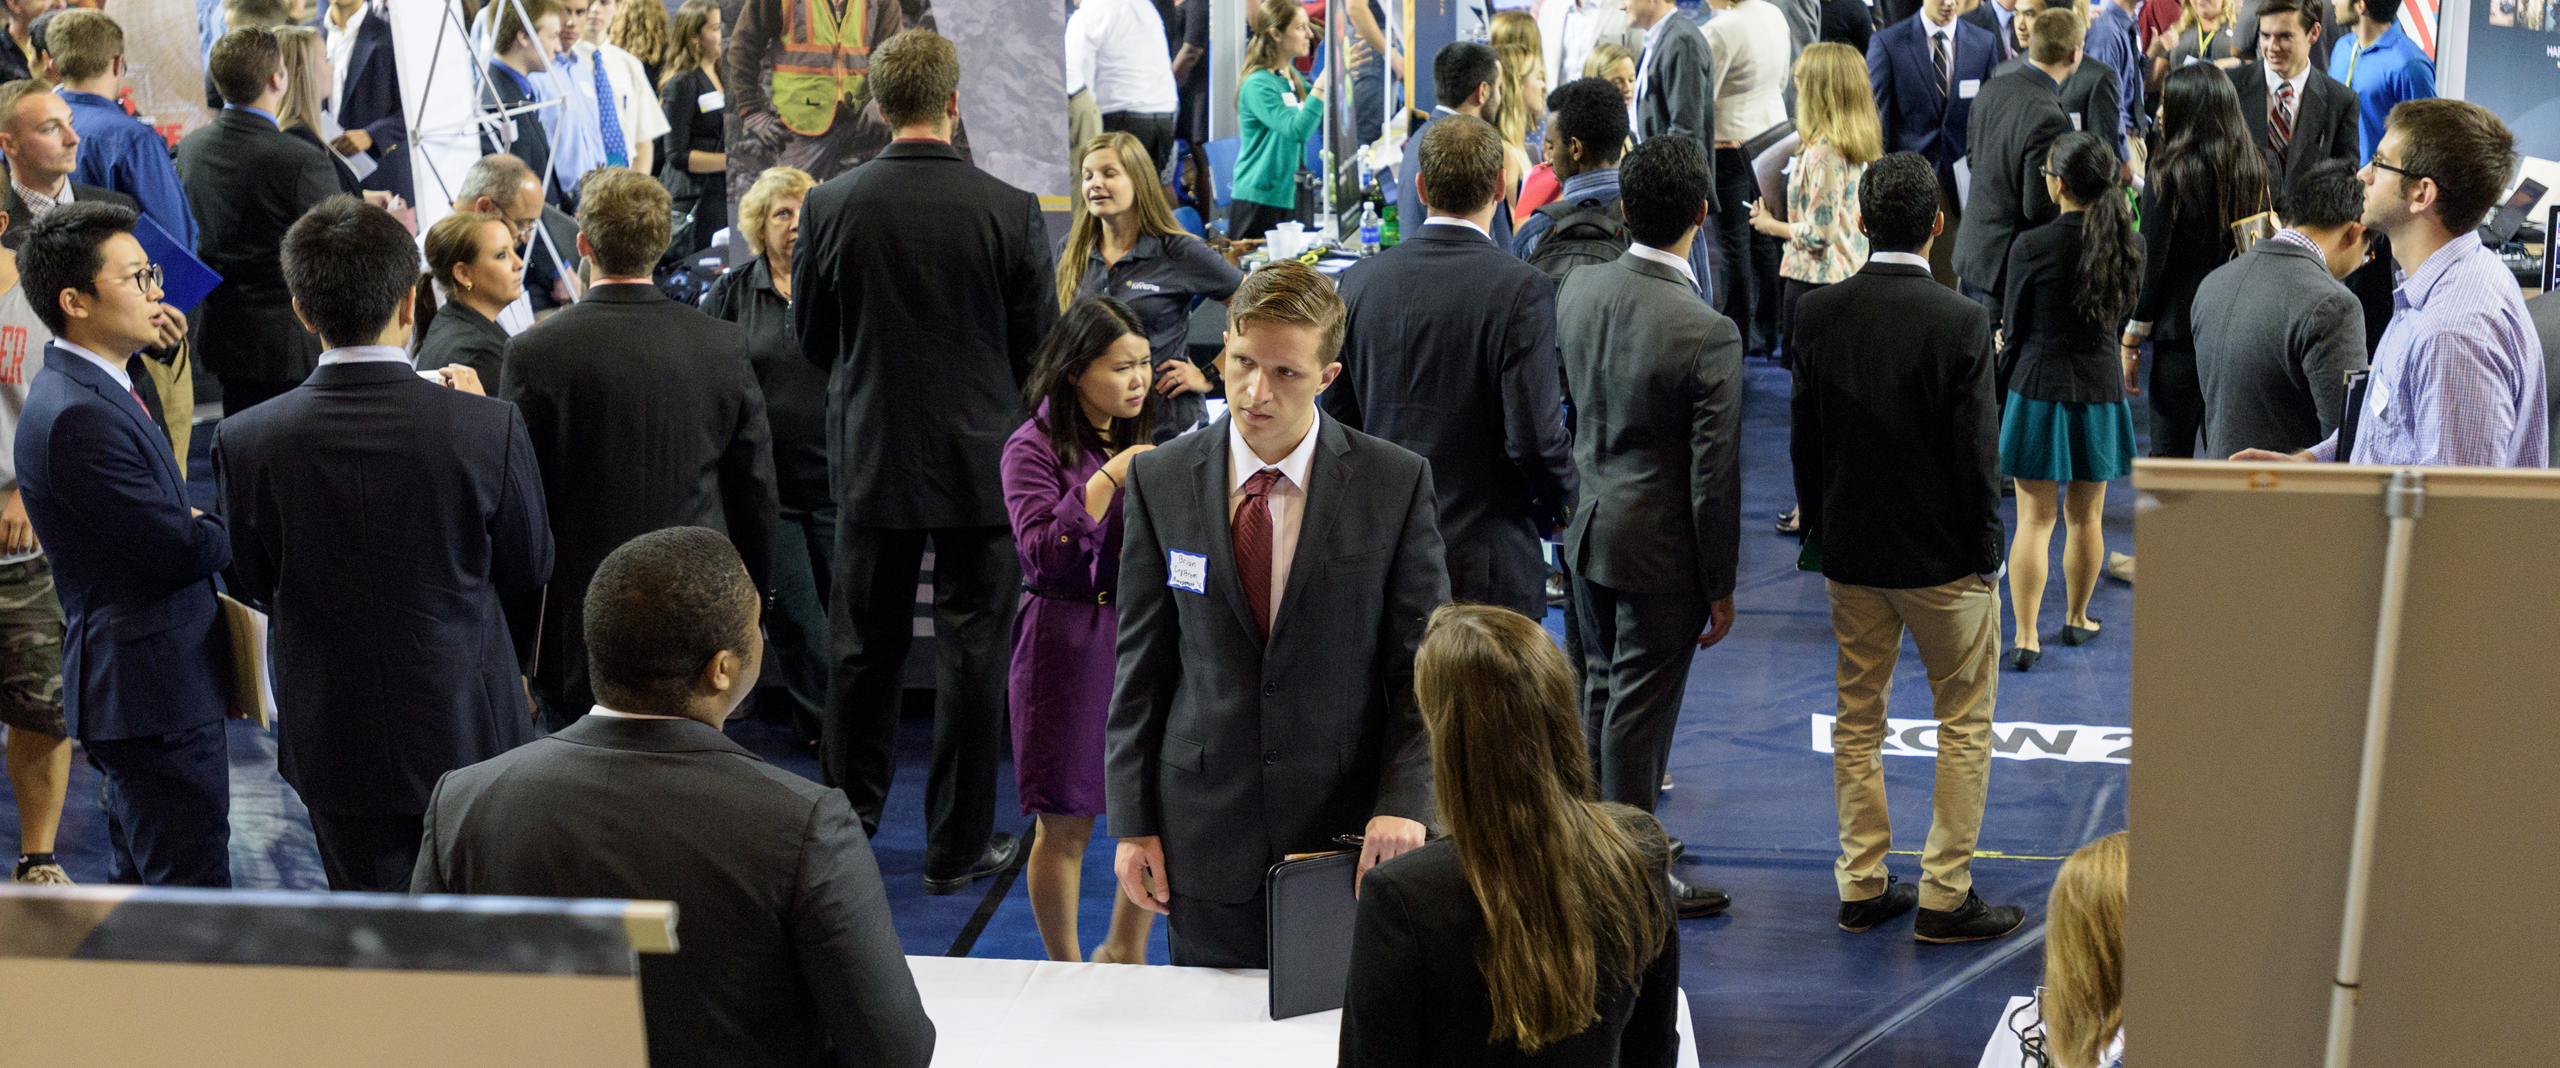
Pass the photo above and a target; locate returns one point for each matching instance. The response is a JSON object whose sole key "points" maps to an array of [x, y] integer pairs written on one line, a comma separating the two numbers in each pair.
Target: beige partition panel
{"points": [[2253, 654]]}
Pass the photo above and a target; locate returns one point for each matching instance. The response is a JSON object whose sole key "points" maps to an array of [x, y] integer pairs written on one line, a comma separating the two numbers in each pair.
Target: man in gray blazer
{"points": [[2546, 323], [786, 954], [1275, 576], [1655, 378], [1676, 94], [2276, 332], [2015, 122]]}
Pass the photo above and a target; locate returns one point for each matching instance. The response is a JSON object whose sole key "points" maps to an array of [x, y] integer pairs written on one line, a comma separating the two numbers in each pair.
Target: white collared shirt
{"points": [[2275, 84], [1453, 220], [1907, 259], [608, 713], [1570, 29], [114, 370], [1652, 39], [1945, 33], [1117, 49], [342, 51], [365, 354], [1287, 499], [1677, 263], [635, 105]]}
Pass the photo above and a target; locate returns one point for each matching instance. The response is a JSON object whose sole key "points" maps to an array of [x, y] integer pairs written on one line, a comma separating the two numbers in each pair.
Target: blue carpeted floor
{"points": [[1774, 982]]}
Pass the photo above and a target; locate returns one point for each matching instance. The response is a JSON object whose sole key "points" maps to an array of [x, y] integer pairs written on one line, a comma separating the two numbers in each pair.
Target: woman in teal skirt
{"points": [[2067, 431]]}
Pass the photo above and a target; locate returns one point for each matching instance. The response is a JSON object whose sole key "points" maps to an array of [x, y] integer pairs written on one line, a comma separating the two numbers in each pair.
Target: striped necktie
{"points": [[2280, 123], [1938, 58], [1251, 532]]}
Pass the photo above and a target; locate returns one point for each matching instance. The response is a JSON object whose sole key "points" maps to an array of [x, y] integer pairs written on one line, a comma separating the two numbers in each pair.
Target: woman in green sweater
{"points": [[1278, 111]]}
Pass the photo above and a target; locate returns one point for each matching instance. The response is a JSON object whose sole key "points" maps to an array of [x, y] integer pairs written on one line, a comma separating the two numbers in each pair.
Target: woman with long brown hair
{"points": [[1540, 930], [1123, 243], [2208, 174], [1276, 111], [691, 94]]}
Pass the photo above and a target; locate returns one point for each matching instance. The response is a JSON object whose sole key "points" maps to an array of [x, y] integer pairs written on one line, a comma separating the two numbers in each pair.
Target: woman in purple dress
{"points": [[1062, 476]]}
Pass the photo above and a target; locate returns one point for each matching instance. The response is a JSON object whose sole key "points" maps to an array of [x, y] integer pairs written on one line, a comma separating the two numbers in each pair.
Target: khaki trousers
{"points": [[1957, 627]]}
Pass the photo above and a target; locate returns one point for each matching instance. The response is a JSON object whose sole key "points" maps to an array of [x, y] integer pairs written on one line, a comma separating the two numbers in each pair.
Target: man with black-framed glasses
{"points": [[2458, 380], [132, 562]]}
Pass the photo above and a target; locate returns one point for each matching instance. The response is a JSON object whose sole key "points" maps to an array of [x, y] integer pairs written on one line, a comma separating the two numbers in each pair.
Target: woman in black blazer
{"points": [[2066, 431], [473, 259], [2206, 176], [1499, 944]]}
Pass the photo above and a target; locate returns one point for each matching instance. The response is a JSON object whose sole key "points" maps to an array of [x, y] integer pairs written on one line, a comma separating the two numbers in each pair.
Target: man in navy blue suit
{"points": [[366, 96], [1926, 70], [145, 657]]}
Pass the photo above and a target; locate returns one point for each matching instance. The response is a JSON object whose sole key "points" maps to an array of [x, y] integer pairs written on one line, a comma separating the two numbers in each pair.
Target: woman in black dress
{"points": [[695, 107], [473, 259], [1540, 931], [2207, 175]]}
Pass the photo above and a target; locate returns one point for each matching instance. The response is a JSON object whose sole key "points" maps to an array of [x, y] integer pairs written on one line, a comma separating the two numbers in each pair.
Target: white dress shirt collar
{"points": [[114, 370], [365, 354], [342, 50], [1677, 263], [1242, 463], [1453, 220], [608, 713], [2276, 81], [1907, 259]]}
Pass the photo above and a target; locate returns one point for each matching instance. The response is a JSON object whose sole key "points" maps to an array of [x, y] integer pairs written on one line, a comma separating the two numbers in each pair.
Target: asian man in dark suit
{"points": [[2021, 116], [787, 956], [1276, 574], [368, 99], [145, 657], [379, 518], [1655, 378], [1449, 350], [1676, 94], [915, 254], [2286, 93], [1925, 71], [247, 181], [644, 414]]}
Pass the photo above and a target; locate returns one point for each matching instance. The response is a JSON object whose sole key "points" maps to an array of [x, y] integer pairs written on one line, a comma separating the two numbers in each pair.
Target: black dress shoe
{"points": [[1697, 902], [999, 853], [1857, 917], [2072, 635], [1972, 921], [2021, 659]]}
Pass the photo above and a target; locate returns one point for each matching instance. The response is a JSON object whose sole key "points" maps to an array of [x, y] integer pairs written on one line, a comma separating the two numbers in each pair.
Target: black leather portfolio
{"points": [[1312, 909]]}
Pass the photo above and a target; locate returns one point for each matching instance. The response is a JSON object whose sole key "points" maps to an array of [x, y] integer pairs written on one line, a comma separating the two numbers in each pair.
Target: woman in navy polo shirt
{"points": [[1125, 245]]}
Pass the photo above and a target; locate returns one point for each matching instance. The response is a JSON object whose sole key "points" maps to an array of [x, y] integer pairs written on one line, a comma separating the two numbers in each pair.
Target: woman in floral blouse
{"points": [[1836, 119]]}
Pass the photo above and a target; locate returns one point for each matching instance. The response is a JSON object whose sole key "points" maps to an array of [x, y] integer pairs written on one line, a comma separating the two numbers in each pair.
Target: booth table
{"points": [[1008, 1013]]}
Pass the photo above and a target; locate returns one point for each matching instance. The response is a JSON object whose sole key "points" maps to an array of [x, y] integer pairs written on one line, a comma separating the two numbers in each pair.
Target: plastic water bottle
{"points": [[1368, 228]]}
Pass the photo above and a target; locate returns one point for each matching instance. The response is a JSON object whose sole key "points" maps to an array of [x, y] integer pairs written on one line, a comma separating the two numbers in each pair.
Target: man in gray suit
{"points": [[2546, 322], [1676, 94], [788, 957], [2276, 332], [1655, 378], [2016, 120], [1276, 573]]}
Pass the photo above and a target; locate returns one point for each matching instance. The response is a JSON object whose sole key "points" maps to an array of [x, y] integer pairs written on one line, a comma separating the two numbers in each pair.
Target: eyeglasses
{"points": [[143, 281], [2394, 168]]}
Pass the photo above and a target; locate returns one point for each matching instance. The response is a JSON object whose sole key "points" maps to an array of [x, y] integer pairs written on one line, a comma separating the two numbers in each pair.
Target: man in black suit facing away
{"points": [[1275, 578], [379, 518], [2089, 96], [923, 284], [644, 414], [247, 181], [787, 957], [2017, 119], [1449, 350], [2297, 114], [1897, 450]]}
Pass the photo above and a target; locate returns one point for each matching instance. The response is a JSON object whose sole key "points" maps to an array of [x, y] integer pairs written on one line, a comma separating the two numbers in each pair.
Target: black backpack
{"points": [[1582, 233]]}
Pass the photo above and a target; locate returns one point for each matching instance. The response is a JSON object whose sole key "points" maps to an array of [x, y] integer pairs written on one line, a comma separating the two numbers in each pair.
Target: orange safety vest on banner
{"points": [[821, 59]]}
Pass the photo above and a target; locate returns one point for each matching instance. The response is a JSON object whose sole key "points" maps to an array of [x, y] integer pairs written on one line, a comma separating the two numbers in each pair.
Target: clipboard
{"points": [[1312, 906], [184, 279]]}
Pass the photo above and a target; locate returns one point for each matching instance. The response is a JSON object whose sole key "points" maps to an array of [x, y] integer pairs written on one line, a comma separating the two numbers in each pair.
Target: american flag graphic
{"points": [[2418, 20]]}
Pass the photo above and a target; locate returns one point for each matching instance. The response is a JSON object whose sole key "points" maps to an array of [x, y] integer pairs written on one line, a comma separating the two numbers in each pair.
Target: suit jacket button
{"points": [[1271, 756], [1270, 688]]}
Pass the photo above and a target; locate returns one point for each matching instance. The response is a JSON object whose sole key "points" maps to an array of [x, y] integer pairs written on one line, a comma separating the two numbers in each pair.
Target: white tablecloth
{"points": [[1012, 1013]]}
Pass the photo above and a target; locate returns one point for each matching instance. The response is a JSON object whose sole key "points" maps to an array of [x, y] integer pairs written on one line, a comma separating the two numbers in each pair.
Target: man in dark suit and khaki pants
{"points": [[786, 955], [1276, 574], [379, 518], [1656, 380], [1896, 446], [923, 285], [1450, 351]]}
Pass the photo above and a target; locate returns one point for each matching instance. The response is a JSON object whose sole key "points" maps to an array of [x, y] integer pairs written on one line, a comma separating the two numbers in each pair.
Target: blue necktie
{"points": [[615, 154]]}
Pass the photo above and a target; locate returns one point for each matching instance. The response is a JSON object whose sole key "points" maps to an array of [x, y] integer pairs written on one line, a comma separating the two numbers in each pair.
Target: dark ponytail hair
{"points": [[1084, 334], [2110, 255]]}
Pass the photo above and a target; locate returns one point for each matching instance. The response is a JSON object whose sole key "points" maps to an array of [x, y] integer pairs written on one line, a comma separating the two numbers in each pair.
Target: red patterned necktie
{"points": [[1252, 532], [138, 401], [2280, 128]]}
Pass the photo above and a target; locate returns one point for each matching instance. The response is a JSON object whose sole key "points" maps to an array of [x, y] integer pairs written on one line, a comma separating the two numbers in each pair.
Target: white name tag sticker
{"points": [[2078, 121], [1969, 88], [711, 101], [1186, 571], [1289, 98]]}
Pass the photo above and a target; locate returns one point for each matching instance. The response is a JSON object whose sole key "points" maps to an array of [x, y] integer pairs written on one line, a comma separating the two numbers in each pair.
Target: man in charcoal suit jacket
{"points": [[380, 518], [1276, 573], [1676, 94], [1449, 350], [2021, 118]]}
